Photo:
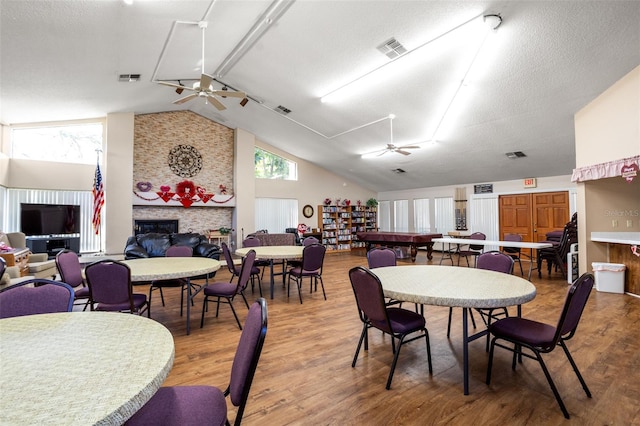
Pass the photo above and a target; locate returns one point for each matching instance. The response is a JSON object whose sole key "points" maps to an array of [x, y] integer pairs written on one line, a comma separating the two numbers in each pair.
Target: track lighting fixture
{"points": [[244, 101]]}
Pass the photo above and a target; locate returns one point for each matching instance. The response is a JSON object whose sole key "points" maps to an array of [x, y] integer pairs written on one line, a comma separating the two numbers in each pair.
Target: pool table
{"points": [[391, 239]]}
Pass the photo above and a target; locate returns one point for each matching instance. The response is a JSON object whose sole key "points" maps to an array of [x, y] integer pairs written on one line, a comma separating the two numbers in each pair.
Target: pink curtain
{"points": [[604, 170]]}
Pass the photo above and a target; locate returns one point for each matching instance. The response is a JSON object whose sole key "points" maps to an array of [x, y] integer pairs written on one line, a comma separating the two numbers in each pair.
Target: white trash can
{"points": [[609, 277]]}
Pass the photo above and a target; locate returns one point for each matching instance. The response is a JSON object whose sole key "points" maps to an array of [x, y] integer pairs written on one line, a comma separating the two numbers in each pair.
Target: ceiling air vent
{"points": [[398, 171], [129, 78], [516, 154], [282, 110], [392, 48]]}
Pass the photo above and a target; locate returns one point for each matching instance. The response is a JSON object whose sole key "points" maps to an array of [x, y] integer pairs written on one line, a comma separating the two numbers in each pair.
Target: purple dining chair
{"points": [[35, 296]]}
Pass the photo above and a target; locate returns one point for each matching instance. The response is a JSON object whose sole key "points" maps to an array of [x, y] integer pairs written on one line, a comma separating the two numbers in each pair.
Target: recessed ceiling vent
{"points": [[398, 171], [129, 78], [282, 110], [516, 154], [392, 48]]}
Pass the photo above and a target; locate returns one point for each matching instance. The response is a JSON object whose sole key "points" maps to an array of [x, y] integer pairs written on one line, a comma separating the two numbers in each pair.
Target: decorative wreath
{"points": [[185, 160], [144, 186], [186, 187]]}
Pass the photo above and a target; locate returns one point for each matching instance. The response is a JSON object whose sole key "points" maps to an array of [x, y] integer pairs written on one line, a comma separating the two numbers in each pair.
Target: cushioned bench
{"points": [[285, 239]]}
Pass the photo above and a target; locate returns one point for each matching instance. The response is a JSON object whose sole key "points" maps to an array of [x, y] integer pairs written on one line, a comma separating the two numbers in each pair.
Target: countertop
{"points": [[616, 237]]}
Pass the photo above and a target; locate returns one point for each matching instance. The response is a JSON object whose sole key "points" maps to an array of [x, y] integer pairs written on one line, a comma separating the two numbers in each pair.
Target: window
{"points": [[384, 215], [272, 166], [65, 143], [421, 218], [276, 214], [401, 215]]}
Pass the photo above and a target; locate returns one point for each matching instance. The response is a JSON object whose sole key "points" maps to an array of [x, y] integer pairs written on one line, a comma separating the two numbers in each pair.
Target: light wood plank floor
{"points": [[305, 377]]}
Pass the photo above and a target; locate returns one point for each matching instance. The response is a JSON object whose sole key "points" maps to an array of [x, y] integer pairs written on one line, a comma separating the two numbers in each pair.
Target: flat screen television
{"points": [[49, 219]]}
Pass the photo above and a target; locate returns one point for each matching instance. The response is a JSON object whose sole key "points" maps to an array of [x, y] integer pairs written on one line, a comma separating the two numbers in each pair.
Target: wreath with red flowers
{"points": [[186, 187]]}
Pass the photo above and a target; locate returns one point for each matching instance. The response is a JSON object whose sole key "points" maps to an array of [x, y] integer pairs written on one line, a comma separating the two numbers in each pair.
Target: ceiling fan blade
{"points": [[216, 103], [177, 86], [409, 147], [205, 81], [399, 151], [230, 93], [185, 99]]}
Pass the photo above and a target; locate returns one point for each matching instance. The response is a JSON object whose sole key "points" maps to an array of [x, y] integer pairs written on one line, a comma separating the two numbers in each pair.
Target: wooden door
{"points": [[515, 216], [550, 213]]}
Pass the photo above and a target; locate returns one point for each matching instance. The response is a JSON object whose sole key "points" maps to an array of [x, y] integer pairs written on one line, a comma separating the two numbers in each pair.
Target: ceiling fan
{"points": [[203, 88], [390, 146]]}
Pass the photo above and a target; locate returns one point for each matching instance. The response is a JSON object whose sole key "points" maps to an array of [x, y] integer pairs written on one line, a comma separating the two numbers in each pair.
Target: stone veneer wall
{"points": [[154, 136]]}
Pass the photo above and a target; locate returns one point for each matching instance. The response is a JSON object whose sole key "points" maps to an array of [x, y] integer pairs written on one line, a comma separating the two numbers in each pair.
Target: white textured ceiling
{"points": [[60, 60]]}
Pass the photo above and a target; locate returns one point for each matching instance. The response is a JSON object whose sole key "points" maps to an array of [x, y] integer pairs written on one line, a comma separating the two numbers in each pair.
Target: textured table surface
{"points": [[166, 268], [454, 286], [80, 368], [273, 252]]}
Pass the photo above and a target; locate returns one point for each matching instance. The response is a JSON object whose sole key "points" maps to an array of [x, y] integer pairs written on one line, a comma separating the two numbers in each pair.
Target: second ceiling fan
{"points": [[203, 87]]}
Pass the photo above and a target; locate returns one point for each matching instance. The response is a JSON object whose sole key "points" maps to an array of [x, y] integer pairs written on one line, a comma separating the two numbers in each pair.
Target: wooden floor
{"points": [[305, 377]]}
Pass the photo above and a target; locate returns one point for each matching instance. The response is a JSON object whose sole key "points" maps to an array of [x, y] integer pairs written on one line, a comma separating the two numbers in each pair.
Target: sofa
{"points": [[39, 264], [155, 245]]}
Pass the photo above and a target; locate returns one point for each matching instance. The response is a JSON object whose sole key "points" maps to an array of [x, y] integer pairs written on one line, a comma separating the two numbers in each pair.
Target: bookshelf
{"points": [[339, 225]]}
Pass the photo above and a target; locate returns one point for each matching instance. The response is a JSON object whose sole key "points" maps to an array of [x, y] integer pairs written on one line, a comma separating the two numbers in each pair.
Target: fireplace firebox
{"points": [[160, 226]]}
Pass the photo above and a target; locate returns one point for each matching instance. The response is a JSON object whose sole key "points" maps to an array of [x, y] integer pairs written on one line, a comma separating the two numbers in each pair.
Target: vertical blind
{"points": [[444, 215], [485, 218], [421, 217], [276, 214], [401, 215], [89, 241], [384, 215]]}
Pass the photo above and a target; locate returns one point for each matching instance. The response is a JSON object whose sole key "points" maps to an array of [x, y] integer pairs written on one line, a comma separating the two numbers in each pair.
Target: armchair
{"points": [[39, 265]]}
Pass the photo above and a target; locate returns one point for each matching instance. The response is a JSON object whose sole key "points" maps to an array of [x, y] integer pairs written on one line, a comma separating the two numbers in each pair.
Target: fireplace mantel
{"points": [[184, 200]]}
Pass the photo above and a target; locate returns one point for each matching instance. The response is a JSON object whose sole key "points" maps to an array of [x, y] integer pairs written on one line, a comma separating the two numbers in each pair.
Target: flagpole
{"points": [[100, 242]]}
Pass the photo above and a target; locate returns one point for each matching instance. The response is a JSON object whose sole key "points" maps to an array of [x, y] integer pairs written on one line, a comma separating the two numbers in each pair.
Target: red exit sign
{"points": [[530, 183]]}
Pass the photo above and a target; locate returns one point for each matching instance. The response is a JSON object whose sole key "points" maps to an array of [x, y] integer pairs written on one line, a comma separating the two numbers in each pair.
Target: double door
{"points": [[533, 215]]}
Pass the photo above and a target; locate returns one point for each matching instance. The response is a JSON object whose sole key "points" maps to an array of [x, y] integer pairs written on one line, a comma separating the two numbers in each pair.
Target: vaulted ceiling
{"points": [[478, 98]]}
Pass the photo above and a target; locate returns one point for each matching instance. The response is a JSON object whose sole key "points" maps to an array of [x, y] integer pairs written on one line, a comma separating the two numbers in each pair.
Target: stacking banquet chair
{"points": [[514, 252], [540, 338], [110, 288], [379, 258], [312, 262], [229, 290], [397, 322], [234, 270], [293, 263], [35, 296], [491, 261], [261, 264], [182, 283], [206, 405], [70, 271], [474, 250], [557, 255]]}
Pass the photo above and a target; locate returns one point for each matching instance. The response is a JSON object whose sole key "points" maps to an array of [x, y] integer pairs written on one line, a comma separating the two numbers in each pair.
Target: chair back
{"points": [[574, 304], [477, 236], [313, 258], [247, 356], [69, 268], [245, 271], [310, 240], [109, 282], [179, 251], [367, 289], [514, 238], [495, 261], [251, 242], [229, 260], [569, 236], [44, 297], [380, 257], [3, 266]]}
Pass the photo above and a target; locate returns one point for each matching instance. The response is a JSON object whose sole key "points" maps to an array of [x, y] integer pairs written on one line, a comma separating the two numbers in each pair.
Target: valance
{"points": [[626, 167]]}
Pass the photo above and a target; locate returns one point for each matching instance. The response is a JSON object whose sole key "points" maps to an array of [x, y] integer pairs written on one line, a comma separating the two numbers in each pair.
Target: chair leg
{"points": [[363, 336], [552, 384], [575, 368], [205, 304], [322, 285], [394, 362], [161, 296], [490, 364], [234, 311]]}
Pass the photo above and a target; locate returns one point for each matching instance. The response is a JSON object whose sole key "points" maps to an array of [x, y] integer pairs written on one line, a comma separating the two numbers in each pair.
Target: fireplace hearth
{"points": [[161, 226]]}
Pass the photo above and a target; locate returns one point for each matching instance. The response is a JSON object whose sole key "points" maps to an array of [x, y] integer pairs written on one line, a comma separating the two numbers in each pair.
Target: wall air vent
{"points": [[398, 171], [282, 110], [129, 78], [392, 48], [516, 154]]}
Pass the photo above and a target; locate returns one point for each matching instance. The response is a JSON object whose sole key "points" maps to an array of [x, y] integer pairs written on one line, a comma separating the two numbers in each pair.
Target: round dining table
{"points": [[452, 286], [273, 253], [167, 268], [80, 368]]}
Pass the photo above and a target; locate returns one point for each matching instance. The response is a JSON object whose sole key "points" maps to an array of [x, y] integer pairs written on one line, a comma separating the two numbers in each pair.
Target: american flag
{"points": [[98, 199]]}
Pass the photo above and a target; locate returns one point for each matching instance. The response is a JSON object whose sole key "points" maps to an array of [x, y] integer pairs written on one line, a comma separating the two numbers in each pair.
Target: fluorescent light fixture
{"points": [[128, 2]]}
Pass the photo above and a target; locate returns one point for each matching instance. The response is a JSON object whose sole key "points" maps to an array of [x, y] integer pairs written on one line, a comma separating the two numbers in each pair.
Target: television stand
{"points": [[53, 244]]}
